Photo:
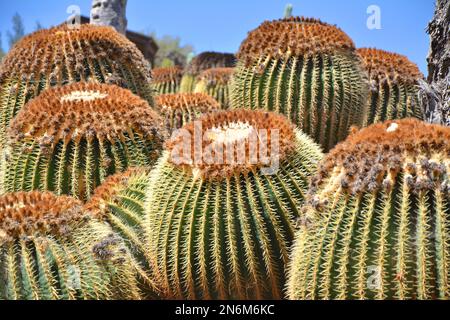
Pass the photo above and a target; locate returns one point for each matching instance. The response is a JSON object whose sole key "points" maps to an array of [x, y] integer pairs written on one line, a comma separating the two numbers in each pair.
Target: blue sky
{"points": [[221, 25]]}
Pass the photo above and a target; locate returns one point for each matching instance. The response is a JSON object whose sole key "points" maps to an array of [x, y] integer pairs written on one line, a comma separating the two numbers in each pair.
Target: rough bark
{"points": [[436, 93], [110, 13]]}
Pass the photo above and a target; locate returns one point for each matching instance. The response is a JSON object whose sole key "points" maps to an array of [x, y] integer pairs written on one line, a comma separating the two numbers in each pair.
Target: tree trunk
{"points": [[436, 94], [110, 13]]}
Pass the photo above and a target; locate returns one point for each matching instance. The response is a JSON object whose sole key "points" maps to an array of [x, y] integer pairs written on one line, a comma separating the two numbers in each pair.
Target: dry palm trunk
{"points": [[436, 94], [110, 13]]}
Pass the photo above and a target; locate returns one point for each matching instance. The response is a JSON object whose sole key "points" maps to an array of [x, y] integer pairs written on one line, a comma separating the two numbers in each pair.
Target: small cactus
{"points": [[181, 108], [379, 219], [216, 83], [64, 55], [51, 249], [70, 138], [222, 229], [204, 61], [167, 80], [307, 70], [394, 90]]}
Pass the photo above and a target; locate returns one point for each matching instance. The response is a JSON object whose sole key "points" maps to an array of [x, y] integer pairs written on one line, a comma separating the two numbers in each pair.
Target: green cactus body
{"points": [[69, 139], [120, 202], [394, 90], [51, 250], [167, 80], [377, 220], [222, 229], [202, 62], [180, 108], [307, 70], [60, 56], [216, 83]]}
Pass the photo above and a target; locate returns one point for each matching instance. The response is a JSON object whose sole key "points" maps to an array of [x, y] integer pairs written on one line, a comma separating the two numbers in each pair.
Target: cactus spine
{"points": [[307, 70], [50, 249], [222, 229], [216, 83], [181, 108], [204, 61], [379, 219], [69, 139], [167, 80], [59, 56], [394, 90]]}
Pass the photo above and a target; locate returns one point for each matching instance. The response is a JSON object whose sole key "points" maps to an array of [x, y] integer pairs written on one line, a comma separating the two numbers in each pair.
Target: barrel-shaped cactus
{"points": [[222, 204], [394, 86], [204, 61], [307, 70], [63, 55], [70, 138], [377, 218], [120, 201], [216, 83], [167, 80], [181, 108], [51, 249]]}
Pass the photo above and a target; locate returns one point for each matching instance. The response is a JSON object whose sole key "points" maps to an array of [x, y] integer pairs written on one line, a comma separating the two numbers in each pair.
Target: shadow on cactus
{"points": [[307, 70], [202, 62], [181, 108], [167, 80], [51, 249], [69, 139], [394, 90], [120, 201], [216, 83], [378, 219], [63, 55], [219, 222]]}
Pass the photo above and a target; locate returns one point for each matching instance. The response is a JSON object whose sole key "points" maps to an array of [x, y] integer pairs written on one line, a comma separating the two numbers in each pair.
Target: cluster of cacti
{"points": [[181, 108], [378, 218], [63, 55], [167, 80], [307, 70], [394, 84], [216, 83], [204, 61], [222, 229], [51, 249], [70, 138]]}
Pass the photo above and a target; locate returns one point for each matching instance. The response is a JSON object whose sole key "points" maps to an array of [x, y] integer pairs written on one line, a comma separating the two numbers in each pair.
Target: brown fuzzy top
{"points": [[293, 37], [85, 110], [32, 213], [384, 65], [109, 189], [215, 76], [61, 47], [208, 60], [231, 132], [199, 102], [168, 74], [371, 158]]}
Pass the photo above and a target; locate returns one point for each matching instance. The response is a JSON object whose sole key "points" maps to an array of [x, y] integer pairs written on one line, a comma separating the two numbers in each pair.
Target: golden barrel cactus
{"points": [[64, 55], [377, 218], [222, 205], [307, 70], [181, 108], [167, 80], [51, 249], [70, 138], [394, 90], [202, 62], [216, 83]]}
